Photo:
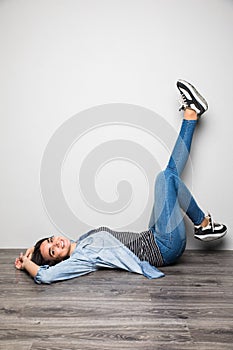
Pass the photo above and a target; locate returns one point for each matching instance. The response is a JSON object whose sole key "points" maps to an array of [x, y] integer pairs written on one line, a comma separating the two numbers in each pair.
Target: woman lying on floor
{"points": [[57, 258]]}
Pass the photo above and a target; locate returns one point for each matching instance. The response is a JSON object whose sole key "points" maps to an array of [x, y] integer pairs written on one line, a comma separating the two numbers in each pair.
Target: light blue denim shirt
{"points": [[95, 251]]}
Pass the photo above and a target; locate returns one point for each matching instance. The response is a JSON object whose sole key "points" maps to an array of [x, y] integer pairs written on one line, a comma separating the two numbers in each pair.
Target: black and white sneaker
{"points": [[211, 232], [191, 98]]}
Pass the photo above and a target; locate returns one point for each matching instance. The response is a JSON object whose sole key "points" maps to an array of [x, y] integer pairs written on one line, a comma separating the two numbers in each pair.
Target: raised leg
{"points": [[172, 197]]}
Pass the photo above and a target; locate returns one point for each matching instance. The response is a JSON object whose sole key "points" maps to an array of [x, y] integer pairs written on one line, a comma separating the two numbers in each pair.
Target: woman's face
{"points": [[55, 248]]}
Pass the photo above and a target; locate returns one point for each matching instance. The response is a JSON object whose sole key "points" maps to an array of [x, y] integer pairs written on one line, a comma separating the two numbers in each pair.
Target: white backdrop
{"points": [[61, 57]]}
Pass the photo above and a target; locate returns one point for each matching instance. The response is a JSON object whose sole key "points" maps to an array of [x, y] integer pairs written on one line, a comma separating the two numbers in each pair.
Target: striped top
{"points": [[142, 244]]}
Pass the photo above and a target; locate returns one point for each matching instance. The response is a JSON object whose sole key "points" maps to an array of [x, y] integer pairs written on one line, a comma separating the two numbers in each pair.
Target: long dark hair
{"points": [[37, 257]]}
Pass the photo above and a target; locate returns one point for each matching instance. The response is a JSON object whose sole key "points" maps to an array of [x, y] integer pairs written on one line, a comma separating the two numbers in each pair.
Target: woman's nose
{"points": [[57, 243]]}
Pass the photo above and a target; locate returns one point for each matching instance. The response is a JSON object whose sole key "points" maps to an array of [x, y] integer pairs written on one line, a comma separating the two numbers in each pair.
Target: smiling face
{"points": [[55, 248]]}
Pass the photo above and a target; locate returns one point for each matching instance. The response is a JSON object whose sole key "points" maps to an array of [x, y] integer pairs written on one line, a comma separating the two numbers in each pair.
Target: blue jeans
{"points": [[173, 199]]}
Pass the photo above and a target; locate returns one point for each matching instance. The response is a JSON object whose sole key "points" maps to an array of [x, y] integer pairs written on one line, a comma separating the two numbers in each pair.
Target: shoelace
{"points": [[182, 102], [211, 222]]}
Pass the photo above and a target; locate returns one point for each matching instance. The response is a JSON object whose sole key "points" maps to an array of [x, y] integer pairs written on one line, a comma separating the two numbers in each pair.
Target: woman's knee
{"points": [[164, 177], [161, 176]]}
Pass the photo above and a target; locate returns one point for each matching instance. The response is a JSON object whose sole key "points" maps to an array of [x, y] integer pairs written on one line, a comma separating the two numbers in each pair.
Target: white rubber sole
{"points": [[210, 237]]}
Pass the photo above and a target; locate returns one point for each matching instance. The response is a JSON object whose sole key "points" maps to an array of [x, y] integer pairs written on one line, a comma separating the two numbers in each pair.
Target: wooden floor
{"points": [[190, 308]]}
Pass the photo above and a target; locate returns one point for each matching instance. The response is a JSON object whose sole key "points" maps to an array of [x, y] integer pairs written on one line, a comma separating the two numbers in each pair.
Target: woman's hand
{"points": [[19, 262], [29, 252], [23, 262]]}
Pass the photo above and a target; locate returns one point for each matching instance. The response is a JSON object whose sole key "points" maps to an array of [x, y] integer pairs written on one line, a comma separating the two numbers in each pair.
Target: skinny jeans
{"points": [[172, 199]]}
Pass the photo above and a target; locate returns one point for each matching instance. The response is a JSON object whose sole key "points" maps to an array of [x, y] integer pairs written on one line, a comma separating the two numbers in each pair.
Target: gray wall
{"points": [[61, 57]]}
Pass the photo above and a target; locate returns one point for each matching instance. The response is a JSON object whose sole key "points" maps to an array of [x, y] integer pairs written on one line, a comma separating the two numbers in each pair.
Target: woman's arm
{"points": [[23, 262], [70, 268]]}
